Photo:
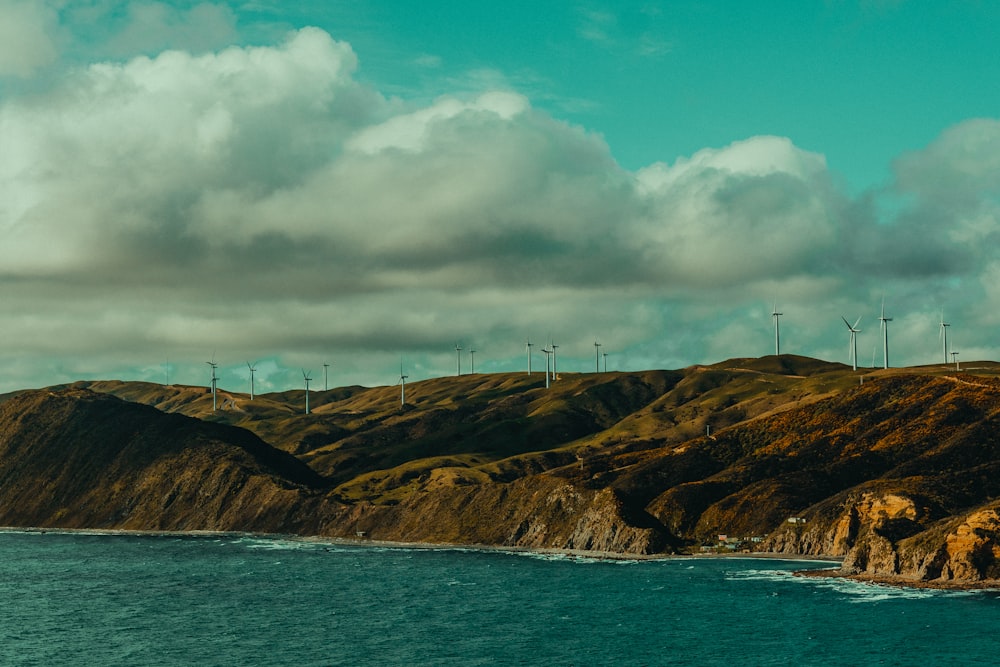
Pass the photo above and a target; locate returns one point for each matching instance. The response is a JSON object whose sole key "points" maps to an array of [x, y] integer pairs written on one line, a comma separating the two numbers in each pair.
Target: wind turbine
{"points": [[597, 351], [885, 335], [555, 370], [777, 338], [944, 336], [214, 380], [402, 385], [472, 355], [854, 340], [528, 347], [253, 369], [548, 353], [458, 353], [326, 385], [605, 355], [954, 355], [305, 376]]}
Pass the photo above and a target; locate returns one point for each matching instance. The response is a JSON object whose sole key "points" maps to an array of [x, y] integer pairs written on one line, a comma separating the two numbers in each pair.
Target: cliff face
{"points": [[538, 512], [899, 476], [884, 536]]}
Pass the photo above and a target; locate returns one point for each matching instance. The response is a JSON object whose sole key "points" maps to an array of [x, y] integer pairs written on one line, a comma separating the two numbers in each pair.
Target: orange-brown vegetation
{"points": [[898, 475]]}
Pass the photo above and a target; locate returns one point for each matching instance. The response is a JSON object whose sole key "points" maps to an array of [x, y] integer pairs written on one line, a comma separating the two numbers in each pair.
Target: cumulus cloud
{"points": [[757, 209], [256, 199], [152, 136], [26, 42], [153, 26]]}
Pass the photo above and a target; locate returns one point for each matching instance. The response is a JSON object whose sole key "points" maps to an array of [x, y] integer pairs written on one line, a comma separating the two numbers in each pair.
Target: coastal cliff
{"points": [[898, 476]]}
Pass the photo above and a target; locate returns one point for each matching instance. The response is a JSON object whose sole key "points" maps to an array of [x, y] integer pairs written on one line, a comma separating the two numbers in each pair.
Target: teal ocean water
{"points": [[85, 599]]}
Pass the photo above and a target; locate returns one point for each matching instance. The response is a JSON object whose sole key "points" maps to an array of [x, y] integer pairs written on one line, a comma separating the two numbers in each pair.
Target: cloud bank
{"points": [[263, 202]]}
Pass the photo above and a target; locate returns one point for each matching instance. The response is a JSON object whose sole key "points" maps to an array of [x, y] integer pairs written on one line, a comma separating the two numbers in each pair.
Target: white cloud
{"points": [[263, 202], [26, 42], [757, 209], [153, 136], [149, 27], [410, 131], [963, 162]]}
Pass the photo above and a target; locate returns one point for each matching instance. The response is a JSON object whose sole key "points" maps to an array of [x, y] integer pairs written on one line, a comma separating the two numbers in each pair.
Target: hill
{"points": [[892, 470], [79, 459]]}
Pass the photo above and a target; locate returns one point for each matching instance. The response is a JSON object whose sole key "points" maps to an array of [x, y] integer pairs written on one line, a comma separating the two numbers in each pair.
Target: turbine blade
{"points": [[856, 323]]}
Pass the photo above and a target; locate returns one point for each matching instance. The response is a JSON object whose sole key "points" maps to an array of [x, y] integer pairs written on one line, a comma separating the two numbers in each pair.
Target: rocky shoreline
{"points": [[899, 582], [819, 573]]}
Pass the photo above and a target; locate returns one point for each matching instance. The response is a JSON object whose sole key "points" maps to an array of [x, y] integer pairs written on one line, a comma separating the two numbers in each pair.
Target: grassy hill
{"points": [[894, 470]]}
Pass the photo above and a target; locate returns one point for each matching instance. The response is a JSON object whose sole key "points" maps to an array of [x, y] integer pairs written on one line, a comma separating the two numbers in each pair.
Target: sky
{"points": [[373, 184]]}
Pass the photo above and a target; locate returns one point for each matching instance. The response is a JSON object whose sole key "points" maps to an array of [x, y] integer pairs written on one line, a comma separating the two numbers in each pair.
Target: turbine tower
{"points": [[954, 355], [777, 338], [854, 341], [597, 352], [472, 355], [458, 353], [402, 385], [214, 381], [555, 369], [885, 335], [528, 347], [305, 376], [326, 384], [605, 355], [944, 336], [253, 369], [548, 353]]}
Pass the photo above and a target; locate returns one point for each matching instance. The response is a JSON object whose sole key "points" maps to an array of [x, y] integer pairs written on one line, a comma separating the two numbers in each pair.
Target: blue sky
{"points": [[355, 183]]}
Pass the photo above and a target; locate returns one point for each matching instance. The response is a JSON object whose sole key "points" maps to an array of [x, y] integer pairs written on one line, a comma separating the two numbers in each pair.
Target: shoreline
{"points": [[393, 544], [818, 572], [901, 582]]}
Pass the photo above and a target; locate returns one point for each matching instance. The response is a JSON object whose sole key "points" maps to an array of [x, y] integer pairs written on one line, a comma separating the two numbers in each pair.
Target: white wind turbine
{"points": [[307, 379], [853, 350], [402, 385], [954, 355], [458, 353], [472, 356], [555, 368], [326, 383], [597, 352], [943, 336], [214, 381], [777, 339], [548, 354], [528, 348], [885, 335], [253, 369]]}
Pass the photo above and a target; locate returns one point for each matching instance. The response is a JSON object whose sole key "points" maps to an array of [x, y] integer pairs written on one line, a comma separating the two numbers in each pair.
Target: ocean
{"points": [[124, 599]]}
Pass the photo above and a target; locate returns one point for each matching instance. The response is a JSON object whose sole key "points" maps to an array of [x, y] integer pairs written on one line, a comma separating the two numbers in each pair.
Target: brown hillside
{"points": [[79, 459], [896, 474]]}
